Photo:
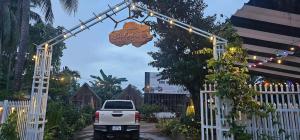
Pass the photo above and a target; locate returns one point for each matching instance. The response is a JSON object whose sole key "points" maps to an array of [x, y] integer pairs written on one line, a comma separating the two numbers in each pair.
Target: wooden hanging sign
{"points": [[132, 33]]}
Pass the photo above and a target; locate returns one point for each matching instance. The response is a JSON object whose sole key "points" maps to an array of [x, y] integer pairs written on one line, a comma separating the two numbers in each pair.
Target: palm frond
{"points": [[69, 6], [46, 7], [104, 76], [36, 17]]}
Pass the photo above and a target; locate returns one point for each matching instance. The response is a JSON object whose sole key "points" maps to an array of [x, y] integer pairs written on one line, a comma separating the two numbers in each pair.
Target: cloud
{"points": [[132, 33]]}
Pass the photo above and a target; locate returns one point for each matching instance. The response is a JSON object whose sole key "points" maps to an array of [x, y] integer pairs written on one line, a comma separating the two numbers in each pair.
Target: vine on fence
{"points": [[8, 130], [230, 73]]}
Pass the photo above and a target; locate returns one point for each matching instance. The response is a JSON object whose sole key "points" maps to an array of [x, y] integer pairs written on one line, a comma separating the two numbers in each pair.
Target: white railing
{"points": [[283, 124], [21, 109]]}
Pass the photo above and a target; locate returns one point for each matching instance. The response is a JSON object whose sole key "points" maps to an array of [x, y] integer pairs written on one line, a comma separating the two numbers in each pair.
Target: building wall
{"points": [[169, 97], [168, 102]]}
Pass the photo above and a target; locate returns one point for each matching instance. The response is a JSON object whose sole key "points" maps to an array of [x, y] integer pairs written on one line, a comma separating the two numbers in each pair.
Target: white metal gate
{"points": [[284, 98], [213, 123]]}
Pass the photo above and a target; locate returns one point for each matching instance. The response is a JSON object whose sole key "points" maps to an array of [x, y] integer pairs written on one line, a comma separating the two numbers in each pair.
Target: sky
{"points": [[91, 50]]}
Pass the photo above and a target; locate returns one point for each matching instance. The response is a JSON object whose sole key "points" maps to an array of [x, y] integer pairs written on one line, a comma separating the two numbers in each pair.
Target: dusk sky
{"points": [[91, 50]]}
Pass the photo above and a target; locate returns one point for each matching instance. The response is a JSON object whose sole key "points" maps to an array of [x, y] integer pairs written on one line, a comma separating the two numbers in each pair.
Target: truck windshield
{"points": [[118, 105]]}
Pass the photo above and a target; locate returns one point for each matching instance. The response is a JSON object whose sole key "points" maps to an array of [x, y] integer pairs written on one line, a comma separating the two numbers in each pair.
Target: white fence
{"points": [[285, 99], [21, 109]]}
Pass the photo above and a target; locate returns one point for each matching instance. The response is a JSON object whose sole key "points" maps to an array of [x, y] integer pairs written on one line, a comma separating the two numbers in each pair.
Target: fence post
{"points": [[5, 111], [218, 118], [202, 115]]}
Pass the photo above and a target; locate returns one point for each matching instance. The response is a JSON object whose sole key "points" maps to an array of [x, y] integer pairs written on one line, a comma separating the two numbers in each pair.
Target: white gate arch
{"points": [[40, 85]]}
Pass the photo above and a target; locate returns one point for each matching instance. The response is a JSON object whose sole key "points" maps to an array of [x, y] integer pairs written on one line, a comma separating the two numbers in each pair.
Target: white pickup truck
{"points": [[117, 118]]}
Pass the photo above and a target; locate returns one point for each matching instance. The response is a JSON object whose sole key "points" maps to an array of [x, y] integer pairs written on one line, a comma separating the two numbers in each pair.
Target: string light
{"points": [[266, 83], [284, 52], [34, 57], [211, 38], [232, 49], [187, 51], [254, 57], [81, 27], [133, 7], [61, 79], [260, 63], [190, 30], [99, 18], [292, 48], [151, 14], [65, 35], [117, 8], [171, 22], [279, 61]]}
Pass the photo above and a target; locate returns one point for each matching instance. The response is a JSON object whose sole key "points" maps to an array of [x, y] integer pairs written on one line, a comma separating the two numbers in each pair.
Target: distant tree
{"points": [[64, 84], [107, 86]]}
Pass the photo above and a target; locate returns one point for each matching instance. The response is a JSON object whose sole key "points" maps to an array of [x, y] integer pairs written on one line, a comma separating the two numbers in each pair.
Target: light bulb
{"points": [[279, 61], [133, 7], [292, 48]]}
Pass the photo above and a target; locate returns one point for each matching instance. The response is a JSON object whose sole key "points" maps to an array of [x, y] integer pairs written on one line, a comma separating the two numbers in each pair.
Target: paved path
{"points": [[148, 132]]}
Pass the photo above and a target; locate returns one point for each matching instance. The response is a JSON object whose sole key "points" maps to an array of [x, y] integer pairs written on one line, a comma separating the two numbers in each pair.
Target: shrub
{"points": [[186, 127], [147, 111], [65, 119], [8, 130]]}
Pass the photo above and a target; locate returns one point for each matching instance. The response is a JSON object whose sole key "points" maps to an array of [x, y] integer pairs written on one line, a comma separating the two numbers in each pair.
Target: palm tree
{"points": [[46, 6], [107, 86], [8, 22], [8, 37]]}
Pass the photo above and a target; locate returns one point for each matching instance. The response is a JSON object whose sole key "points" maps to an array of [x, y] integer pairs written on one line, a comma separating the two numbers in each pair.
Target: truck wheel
{"points": [[99, 136]]}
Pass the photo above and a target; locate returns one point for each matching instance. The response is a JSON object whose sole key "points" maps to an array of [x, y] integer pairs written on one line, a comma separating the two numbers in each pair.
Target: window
{"points": [[118, 105]]}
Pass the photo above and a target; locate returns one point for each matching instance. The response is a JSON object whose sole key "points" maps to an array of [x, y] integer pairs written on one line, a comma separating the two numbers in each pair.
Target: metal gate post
{"points": [[39, 94]]}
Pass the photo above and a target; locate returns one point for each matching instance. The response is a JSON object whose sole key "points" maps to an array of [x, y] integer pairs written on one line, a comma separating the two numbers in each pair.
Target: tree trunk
{"points": [[8, 72], [24, 41], [1, 26], [1, 50]]}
